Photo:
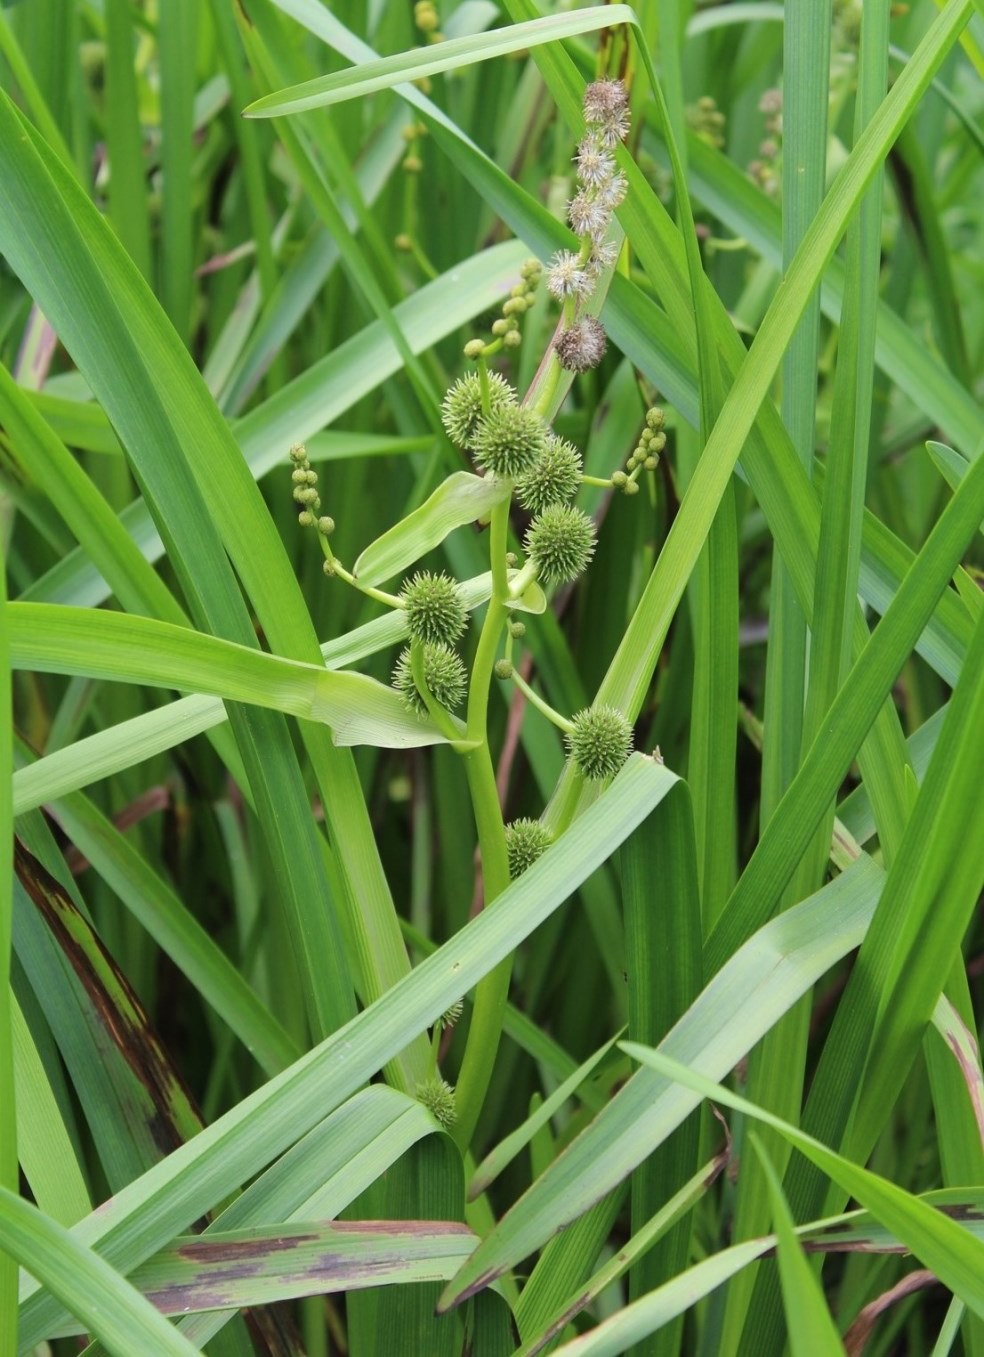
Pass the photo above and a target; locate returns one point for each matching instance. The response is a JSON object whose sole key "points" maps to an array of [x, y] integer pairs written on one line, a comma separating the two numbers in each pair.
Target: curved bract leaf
{"points": [[462, 498], [131, 742], [749, 994], [121, 648], [385, 72], [106, 1304]]}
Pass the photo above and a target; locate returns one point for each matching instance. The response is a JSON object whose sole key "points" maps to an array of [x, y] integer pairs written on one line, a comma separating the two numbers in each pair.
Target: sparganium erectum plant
{"points": [[510, 443]]}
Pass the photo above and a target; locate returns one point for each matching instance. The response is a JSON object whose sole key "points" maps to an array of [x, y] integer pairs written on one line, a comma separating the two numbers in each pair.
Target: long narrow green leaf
{"points": [[385, 72]]}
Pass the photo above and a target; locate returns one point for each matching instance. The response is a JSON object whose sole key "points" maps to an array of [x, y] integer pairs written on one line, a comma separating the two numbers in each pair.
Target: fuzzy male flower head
{"points": [[567, 276], [582, 345], [509, 440], [600, 742], [462, 406], [435, 612], [606, 110]]}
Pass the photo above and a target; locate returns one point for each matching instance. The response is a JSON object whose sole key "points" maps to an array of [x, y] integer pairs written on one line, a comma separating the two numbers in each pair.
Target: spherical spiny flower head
{"points": [[567, 276], [444, 673], [433, 607], [526, 840], [437, 1096], [555, 478], [509, 441], [600, 742], [561, 541], [582, 345], [462, 407]]}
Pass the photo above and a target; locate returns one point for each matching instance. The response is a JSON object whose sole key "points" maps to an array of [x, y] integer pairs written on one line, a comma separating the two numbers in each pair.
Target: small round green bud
{"points": [[438, 1097], [555, 477], [433, 607], [531, 268], [511, 558], [305, 518], [526, 840], [503, 669], [299, 476], [474, 347], [517, 629], [300, 493], [500, 326], [326, 526], [409, 132], [646, 438], [655, 418], [512, 339], [509, 440], [561, 541], [403, 242], [631, 488], [461, 411], [651, 463], [619, 478], [515, 306], [444, 674], [312, 476], [311, 496], [658, 443], [413, 164], [515, 293], [298, 453], [600, 742], [328, 566]]}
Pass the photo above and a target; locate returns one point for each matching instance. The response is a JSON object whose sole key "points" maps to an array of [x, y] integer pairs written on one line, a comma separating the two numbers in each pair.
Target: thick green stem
{"points": [[489, 1008]]}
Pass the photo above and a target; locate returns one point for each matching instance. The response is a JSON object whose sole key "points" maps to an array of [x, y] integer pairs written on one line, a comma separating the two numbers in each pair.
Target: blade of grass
{"points": [[9, 1174]]}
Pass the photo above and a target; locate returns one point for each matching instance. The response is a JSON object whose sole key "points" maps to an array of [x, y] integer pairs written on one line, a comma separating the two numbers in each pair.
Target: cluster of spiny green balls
{"points": [[511, 442]]}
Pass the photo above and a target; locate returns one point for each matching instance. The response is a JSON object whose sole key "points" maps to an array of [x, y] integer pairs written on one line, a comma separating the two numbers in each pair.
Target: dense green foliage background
{"points": [[244, 884]]}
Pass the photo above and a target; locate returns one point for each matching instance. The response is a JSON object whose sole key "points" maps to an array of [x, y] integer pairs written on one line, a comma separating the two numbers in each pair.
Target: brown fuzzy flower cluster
{"points": [[601, 188]]}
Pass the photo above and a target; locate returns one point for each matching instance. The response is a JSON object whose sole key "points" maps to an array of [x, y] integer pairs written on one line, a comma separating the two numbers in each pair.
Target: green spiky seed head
{"points": [[600, 742], [555, 477], [509, 441], [561, 541], [451, 1016], [433, 607], [462, 407], [526, 840], [444, 674], [437, 1096]]}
